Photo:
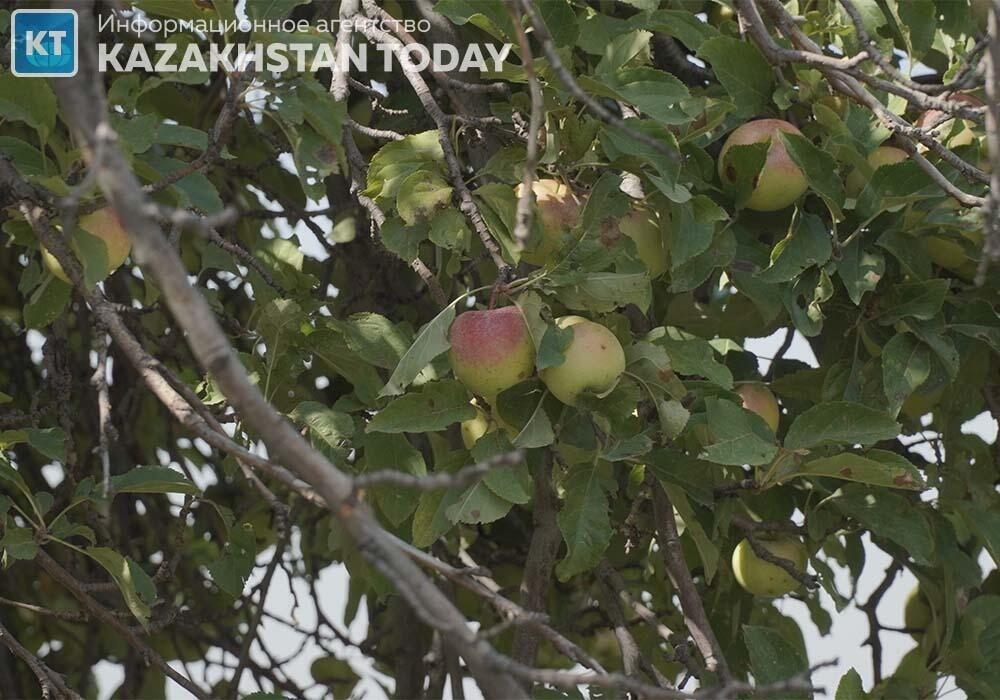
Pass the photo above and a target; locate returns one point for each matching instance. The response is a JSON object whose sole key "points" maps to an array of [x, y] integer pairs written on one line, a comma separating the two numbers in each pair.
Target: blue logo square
{"points": [[43, 43]]}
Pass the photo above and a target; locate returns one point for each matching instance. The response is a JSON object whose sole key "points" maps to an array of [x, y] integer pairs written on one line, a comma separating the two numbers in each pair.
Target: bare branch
{"points": [[694, 611], [438, 480]]}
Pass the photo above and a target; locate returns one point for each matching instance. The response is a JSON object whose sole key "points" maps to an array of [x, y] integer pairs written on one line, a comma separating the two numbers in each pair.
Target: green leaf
{"points": [[19, 543], [328, 429], [773, 658], [707, 550], [906, 364], [478, 504], [850, 687], [230, 571], [177, 10], [922, 300], [807, 246], [840, 422], [742, 70], [738, 436], [876, 467], [28, 100], [820, 170], [331, 348], [194, 190], [673, 417], [551, 349], [890, 516], [420, 194], [397, 160], [436, 406], [335, 674], [696, 357], [694, 230], [584, 520], [524, 405], [860, 269], [652, 91], [271, 9], [394, 452], [892, 185], [153, 480], [135, 585], [985, 523], [603, 292], [431, 341], [46, 302], [430, 519], [51, 442]]}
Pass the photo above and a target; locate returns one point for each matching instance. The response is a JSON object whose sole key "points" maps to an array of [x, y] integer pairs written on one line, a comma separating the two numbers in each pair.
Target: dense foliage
{"points": [[336, 227]]}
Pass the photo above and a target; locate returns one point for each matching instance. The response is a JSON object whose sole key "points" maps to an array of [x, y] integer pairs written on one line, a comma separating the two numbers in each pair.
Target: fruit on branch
{"points": [[924, 626], [951, 255], [558, 210], [966, 136], [759, 399], [481, 425], [919, 404], [102, 224], [644, 228], [837, 103], [719, 13], [475, 428], [883, 155], [491, 350], [594, 360], [763, 578], [780, 182]]}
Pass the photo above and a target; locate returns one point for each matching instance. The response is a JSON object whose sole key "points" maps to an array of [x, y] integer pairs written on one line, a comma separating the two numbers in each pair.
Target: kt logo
{"points": [[44, 43]]}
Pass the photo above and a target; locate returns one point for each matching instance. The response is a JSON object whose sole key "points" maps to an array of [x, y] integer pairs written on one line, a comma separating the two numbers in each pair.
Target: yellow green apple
{"points": [[644, 229], [491, 350], [951, 255], [966, 136], [481, 424], [594, 360], [883, 155], [917, 405], [558, 210], [780, 182], [102, 224], [763, 578]]}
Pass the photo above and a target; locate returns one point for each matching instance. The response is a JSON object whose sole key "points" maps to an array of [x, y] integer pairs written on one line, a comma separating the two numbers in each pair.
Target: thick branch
{"points": [[694, 611]]}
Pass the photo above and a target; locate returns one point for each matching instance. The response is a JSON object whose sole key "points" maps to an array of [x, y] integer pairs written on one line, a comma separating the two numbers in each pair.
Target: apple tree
{"points": [[429, 378]]}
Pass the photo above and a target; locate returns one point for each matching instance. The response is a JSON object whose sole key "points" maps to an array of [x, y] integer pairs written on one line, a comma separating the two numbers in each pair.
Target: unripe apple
{"points": [[780, 182], [719, 13], [763, 578], [917, 614], [759, 399], [491, 350], [103, 224], [917, 405], [883, 155], [837, 103], [965, 137], [643, 228], [949, 254], [483, 424], [558, 210], [475, 428], [594, 360]]}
